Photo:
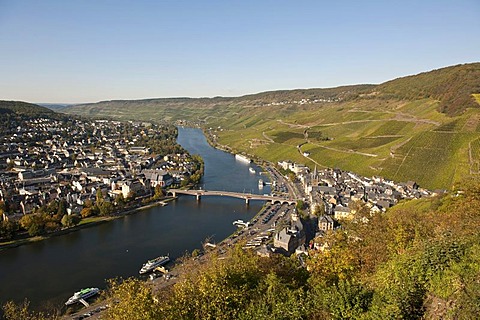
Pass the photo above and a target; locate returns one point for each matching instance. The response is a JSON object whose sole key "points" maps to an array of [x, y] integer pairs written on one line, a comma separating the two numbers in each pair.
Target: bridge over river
{"points": [[246, 196]]}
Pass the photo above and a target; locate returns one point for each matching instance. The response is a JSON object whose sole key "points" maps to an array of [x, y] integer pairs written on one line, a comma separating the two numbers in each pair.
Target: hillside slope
{"points": [[23, 108], [452, 87], [423, 127]]}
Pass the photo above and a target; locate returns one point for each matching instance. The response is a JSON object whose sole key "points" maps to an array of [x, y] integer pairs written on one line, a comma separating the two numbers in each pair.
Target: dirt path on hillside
{"points": [[347, 151], [294, 125], [267, 137]]}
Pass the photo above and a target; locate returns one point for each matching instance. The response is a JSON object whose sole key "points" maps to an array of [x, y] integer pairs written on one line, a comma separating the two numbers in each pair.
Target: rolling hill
{"points": [[23, 108], [424, 127]]}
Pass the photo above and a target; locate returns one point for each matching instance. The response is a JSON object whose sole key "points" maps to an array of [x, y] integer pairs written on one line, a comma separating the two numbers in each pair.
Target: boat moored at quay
{"points": [[152, 264], [81, 295], [242, 158]]}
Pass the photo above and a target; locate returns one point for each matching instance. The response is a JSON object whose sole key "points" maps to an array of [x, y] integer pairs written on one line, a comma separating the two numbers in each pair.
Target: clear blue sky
{"points": [[86, 51]]}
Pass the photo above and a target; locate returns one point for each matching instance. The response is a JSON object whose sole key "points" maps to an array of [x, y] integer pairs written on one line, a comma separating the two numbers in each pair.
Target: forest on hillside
{"points": [[19, 107], [452, 86]]}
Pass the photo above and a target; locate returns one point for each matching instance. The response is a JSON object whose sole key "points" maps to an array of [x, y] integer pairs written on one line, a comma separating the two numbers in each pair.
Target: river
{"points": [[49, 271]]}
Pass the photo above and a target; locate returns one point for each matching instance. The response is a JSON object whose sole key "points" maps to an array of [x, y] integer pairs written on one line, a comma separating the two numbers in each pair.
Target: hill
{"points": [[54, 106], [452, 87], [424, 127], [195, 109], [23, 108]]}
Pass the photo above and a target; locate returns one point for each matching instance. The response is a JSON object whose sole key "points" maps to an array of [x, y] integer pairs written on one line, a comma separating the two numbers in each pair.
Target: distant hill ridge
{"points": [[424, 127], [23, 108], [452, 86]]}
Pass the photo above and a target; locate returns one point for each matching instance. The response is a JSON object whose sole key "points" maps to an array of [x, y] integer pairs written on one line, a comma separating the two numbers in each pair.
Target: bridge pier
{"points": [[247, 201], [198, 197]]}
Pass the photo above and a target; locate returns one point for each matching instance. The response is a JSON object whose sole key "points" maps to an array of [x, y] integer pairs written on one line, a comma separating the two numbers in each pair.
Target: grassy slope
{"points": [[394, 130], [396, 142]]}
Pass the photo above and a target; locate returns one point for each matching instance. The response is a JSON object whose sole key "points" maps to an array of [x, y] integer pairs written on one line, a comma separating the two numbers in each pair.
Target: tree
{"points": [[86, 212], [319, 209], [130, 196], [105, 208], [13, 311], [33, 223], [99, 196], [158, 192], [71, 220], [120, 200], [88, 203], [62, 208], [300, 205], [131, 299], [8, 229]]}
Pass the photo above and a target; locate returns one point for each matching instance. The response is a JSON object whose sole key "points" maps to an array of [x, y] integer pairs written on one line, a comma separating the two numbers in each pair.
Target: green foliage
{"points": [[131, 299], [343, 300], [13, 311], [105, 208], [70, 220], [284, 136], [99, 198], [158, 192], [276, 300], [23, 108], [87, 212], [8, 229], [452, 86], [62, 208], [33, 223], [197, 173]]}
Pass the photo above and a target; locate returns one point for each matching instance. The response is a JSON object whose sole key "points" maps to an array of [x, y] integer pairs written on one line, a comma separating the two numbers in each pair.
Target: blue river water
{"points": [[48, 272]]}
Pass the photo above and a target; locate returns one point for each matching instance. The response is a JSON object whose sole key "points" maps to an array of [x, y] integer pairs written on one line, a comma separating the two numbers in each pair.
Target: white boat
{"points": [[82, 294], [152, 264], [260, 184], [252, 170], [242, 158], [241, 223], [237, 222]]}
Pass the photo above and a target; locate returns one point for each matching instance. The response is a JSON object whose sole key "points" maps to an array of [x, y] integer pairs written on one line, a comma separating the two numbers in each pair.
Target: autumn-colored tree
{"points": [[158, 192], [33, 223], [70, 220], [131, 299], [86, 212], [12, 311]]}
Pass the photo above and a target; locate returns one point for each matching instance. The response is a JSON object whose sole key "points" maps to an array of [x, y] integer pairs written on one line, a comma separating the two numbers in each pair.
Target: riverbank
{"points": [[177, 268], [89, 222], [119, 247]]}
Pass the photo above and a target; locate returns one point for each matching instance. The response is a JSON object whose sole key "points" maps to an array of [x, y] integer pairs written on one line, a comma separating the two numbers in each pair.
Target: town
{"points": [[330, 197], [58, 170]]}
